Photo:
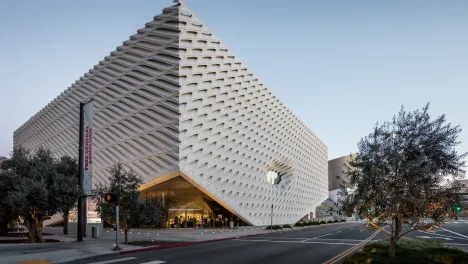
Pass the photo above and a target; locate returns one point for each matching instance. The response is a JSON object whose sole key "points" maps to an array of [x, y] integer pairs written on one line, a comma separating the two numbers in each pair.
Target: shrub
{"points": [[287, 226], [342, 220], [409, 251], [298, 224], [305, 224], [336, 221], [314, 223], [329, 222], [275, 227], [322, 222]]}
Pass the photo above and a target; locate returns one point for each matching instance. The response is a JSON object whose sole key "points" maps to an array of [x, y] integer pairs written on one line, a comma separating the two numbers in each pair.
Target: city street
{"points": [[454, 234], [314, 245]]}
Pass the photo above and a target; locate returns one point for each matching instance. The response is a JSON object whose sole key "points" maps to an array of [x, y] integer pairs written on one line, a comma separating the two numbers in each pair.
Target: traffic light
{"points": [[368, 210], [110, 197], [458, 208]]}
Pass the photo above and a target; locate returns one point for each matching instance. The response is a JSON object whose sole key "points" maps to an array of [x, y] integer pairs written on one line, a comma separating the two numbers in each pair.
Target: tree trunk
{"points": [[126, 233], [34, 226], [394, 238], [392, 247], [65, 222]]}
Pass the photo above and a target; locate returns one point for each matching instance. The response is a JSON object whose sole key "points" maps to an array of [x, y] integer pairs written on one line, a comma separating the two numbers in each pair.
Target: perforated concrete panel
{"points": [[175, 98]]}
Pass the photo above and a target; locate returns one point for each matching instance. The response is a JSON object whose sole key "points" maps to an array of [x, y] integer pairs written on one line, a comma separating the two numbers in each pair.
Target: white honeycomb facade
{"points": [[175, 98]]}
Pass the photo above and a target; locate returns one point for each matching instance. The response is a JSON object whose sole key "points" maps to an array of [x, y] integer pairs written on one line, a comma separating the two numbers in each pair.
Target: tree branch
{"points": [[380, 228], [411, 230]]}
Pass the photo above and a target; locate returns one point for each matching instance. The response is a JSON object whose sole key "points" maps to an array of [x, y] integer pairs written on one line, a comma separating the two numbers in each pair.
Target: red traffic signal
{"points": [[110, 197]]}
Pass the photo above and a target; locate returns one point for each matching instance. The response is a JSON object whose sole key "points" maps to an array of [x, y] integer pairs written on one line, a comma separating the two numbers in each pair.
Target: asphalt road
{"points": [[454, 234], [314, 245]]}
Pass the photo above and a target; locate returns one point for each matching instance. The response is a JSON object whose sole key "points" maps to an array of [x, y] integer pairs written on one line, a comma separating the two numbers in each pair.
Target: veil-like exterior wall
{"points": [[174, 99], [136, 106], [233, 130]]}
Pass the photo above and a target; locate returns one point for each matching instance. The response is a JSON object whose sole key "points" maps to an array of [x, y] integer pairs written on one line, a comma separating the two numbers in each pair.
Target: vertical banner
{"points": [[93, 215], [88, 148]]}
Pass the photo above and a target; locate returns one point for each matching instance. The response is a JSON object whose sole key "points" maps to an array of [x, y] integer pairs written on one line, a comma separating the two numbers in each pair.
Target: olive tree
{"points": [[6, 183], [40, 190], [406, 170]]}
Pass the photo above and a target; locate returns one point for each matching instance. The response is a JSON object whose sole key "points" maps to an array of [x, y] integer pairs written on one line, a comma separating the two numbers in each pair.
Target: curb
{"points": [[153, 248]]}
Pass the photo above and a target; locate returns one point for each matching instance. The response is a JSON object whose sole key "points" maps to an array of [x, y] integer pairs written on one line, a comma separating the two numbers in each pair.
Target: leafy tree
{"points": [[39, 188], [6, 183], [132, 211], [150, 214], [399, 174], [125, 185], [67, 169]]}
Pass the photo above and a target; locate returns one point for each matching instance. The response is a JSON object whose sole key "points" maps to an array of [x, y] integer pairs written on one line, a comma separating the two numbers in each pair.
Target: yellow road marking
{"points": [[34, 262], [350, 250]]}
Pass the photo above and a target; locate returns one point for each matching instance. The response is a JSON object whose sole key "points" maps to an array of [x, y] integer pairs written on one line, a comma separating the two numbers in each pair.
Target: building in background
{"points": [[330, 207], [335, 171], [211, 142]]}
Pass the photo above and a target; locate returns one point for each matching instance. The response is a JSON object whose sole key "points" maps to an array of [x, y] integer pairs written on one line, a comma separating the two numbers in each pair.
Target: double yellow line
{"points": [[350, 250], [34, 262]]}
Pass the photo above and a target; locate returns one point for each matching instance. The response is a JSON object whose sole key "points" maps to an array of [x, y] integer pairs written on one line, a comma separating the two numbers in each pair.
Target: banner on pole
{"points": [[88, 148], [93, 214]]}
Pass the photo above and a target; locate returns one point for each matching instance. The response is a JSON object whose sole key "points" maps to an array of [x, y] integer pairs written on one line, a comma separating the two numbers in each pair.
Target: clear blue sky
{"points": [[340, 66]]}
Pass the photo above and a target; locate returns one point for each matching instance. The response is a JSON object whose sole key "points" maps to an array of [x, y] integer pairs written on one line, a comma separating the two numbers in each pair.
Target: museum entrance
{"points": [[183, 205]]}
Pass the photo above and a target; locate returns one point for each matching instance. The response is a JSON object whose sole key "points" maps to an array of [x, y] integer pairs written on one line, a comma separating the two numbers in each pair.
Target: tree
{"points": [[150, 214], [125, 185], [399, 174], [132, 211], [6, 183], [39, 189], [67, 169]]}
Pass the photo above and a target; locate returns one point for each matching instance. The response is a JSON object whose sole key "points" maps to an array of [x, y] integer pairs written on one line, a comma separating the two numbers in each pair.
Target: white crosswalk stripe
{"points": [[154, 262], [113, 260]]}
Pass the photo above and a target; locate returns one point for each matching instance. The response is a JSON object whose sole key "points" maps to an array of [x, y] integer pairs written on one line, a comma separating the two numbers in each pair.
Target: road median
{"points": [[352, 249]]}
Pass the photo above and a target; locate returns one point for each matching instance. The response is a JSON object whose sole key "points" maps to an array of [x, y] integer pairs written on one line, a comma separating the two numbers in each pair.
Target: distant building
{"points": [[329, 208], [335, 171]]}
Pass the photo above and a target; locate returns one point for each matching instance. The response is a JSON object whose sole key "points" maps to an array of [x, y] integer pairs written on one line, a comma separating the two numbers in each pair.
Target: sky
{"points": [[341, 66]]}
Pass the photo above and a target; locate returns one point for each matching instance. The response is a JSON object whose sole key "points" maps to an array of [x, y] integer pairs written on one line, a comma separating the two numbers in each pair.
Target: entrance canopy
{"points": [[186, 205]]}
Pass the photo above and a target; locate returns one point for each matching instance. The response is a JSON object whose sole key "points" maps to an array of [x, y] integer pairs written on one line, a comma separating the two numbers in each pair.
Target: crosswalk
{"points": [[132, 259]]}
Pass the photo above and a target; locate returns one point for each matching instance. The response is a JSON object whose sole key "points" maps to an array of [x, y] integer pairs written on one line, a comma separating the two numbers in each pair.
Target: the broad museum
{"points": [[209, 139]]}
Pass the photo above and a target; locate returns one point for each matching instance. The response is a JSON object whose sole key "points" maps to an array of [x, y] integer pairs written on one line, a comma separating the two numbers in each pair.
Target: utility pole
{"points": [[80, 174]]}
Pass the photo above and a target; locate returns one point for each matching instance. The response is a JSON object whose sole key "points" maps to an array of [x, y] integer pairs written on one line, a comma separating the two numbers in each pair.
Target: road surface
{"points": [[315, 245]]}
